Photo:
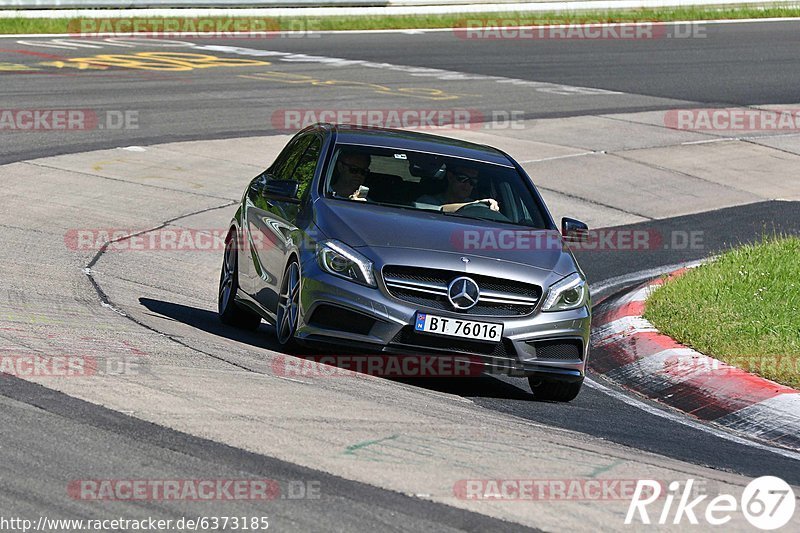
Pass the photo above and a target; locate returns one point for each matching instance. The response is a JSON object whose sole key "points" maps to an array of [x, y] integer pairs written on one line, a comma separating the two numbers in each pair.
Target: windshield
{"points": [[447, 185]]}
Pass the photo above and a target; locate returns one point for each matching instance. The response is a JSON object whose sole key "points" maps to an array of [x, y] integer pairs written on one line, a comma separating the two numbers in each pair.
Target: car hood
{"points": [[363, 225]]}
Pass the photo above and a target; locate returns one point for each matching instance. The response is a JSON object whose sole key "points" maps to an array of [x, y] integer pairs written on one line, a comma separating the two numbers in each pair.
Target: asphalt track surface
{"points": [[68, 434], [736, 64], [742, 64]]}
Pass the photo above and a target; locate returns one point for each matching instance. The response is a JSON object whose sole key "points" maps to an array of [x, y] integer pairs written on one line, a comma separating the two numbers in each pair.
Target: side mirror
{"points": [[282, 190], [574, 230]]}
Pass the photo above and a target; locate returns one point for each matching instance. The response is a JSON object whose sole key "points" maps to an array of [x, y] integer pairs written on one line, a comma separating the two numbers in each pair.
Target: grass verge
{"points": [[743, 309], [22, 25]]}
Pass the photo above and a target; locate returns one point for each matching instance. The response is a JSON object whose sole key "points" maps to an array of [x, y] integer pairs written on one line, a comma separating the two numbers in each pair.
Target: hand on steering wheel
{"points": [[491, 203]]}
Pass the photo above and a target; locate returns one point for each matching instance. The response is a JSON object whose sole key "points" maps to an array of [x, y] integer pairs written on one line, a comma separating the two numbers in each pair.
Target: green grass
{"points": [[20, 25], [743, 309]]}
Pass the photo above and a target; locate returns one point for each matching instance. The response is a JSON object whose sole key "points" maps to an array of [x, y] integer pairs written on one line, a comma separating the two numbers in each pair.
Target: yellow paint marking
{"points": [[15, 67], [430, 93], [412, 92], [166, 61], [79, 66], [285, 77], [97, 167]]}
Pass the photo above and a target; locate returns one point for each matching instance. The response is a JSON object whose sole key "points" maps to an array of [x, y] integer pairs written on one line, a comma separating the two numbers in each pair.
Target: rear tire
{"points": [[230, 313], [553, 390]]}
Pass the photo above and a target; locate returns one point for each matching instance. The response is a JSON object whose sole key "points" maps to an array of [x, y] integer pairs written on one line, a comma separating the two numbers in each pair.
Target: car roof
{"points": [[416, 141]]}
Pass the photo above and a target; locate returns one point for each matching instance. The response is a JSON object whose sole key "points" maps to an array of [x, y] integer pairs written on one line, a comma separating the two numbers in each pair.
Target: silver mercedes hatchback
{"points": [[395, 243]]}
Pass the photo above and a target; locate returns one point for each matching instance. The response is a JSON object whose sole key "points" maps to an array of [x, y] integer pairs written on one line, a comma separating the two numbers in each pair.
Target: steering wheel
{"points": [[481, 210]]}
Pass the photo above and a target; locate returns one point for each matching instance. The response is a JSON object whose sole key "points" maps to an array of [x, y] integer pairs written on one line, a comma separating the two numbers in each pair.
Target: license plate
{"points": [[456, 327]]}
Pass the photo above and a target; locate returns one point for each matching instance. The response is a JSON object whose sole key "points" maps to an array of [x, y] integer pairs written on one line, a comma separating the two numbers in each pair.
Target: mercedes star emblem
{"points": [[463, 293]]}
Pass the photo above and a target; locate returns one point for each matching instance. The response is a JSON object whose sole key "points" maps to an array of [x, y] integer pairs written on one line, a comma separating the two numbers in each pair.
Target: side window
{"points": [[304, 172], [290, 157]]}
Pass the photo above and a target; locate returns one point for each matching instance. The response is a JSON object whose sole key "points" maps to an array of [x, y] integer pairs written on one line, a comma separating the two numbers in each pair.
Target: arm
{"points": [[489, 202]]}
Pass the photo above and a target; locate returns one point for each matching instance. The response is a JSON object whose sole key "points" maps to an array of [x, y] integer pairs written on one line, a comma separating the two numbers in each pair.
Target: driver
{"points": [[349, 174], [461, 180]]}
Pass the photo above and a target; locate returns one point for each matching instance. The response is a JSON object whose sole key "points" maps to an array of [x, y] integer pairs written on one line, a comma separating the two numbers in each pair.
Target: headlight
{"points": [[569, 293], [340, 260]]}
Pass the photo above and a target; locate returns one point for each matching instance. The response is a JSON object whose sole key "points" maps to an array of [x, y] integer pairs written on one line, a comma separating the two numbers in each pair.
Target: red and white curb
{"points": [[629, 350]]}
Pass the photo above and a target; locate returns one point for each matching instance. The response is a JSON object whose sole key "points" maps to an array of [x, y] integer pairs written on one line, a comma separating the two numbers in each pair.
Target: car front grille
{"points": [[428, 287]]}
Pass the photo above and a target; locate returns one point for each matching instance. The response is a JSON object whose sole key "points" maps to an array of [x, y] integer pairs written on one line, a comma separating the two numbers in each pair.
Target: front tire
{"points": [[288, 314], [230, 313], [553, 390]]}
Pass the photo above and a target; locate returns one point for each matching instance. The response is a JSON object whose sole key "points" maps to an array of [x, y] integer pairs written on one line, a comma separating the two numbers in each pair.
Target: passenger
{"points": [[461, 180]]}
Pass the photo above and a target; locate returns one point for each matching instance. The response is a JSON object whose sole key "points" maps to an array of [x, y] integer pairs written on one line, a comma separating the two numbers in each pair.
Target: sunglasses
{"points": [[355, 169], [463, 178]]}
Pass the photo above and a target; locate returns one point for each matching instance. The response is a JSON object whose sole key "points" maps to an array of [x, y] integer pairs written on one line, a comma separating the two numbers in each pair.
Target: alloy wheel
{"points": [[289, 304]]}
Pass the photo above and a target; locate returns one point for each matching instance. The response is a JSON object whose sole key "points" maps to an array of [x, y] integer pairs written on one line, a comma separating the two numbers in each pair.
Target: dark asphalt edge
{"points": [[83, 412], [146, 141], [39, 153]]}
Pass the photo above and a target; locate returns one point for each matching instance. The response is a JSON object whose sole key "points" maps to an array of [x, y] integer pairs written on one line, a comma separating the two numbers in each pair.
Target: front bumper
{"points": [[337, 313]]}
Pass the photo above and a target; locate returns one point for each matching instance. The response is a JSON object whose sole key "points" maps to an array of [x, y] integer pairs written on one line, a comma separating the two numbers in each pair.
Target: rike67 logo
{"points": [[767, 502]]}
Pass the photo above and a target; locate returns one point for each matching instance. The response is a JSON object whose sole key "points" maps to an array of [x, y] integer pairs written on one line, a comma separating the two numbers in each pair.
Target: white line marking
{"points": [[682, 419], [642, 294], [593, 152], [760, 418], [625, 326], [651, 368], [69, 43], [612, 283], [750, 138], [707, 141], [436, 73], [294, 380]]}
